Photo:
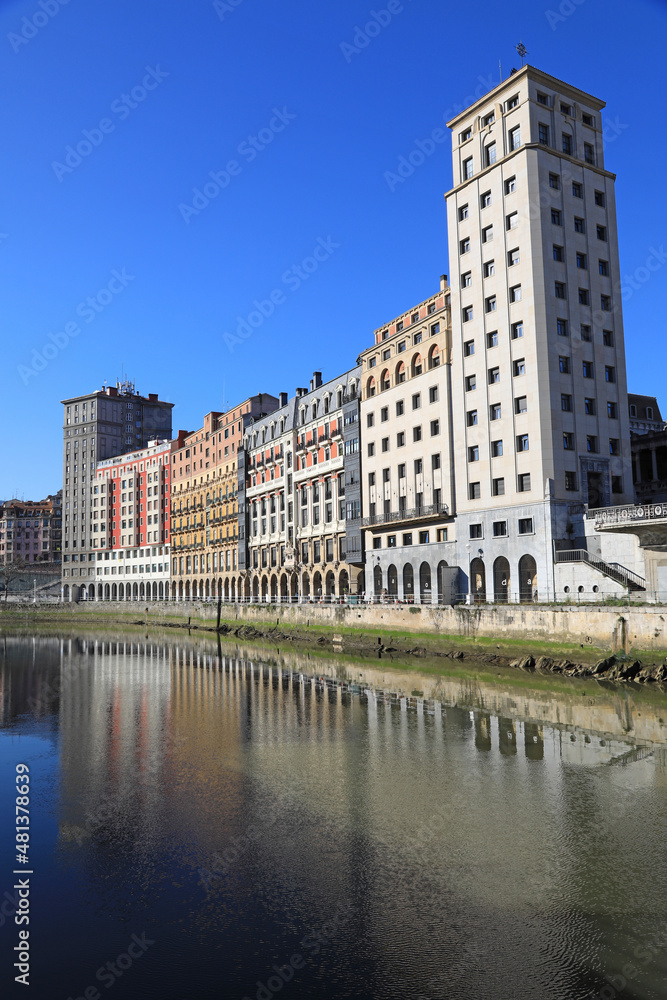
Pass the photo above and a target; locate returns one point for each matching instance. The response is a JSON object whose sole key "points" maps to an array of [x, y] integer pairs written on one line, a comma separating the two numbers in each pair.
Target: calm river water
{"points": [[245, 834]]}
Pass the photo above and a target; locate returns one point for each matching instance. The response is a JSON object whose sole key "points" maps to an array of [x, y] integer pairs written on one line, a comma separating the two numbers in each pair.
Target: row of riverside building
{"points": [[461, 456]]}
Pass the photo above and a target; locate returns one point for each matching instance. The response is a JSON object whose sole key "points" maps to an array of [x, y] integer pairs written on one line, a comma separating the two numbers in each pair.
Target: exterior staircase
{"points": [[620, 574]]}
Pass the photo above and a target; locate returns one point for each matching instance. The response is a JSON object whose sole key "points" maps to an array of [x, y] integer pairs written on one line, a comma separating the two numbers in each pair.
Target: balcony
{"points": [[410, 514]]}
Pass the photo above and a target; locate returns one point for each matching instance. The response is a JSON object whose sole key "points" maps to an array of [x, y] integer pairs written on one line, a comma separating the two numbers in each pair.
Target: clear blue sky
{"points": [[321, 177]]}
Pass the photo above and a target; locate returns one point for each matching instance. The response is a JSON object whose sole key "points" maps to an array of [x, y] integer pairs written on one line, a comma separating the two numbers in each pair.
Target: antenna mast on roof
{"points": [[521, 49]]}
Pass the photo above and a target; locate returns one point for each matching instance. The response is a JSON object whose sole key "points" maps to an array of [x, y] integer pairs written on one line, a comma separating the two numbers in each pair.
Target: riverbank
{"points": [[269, 624]]}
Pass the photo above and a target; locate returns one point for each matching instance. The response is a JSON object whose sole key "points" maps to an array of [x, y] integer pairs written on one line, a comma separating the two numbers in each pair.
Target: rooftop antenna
{"points": [[500, 71], [521, 49]]}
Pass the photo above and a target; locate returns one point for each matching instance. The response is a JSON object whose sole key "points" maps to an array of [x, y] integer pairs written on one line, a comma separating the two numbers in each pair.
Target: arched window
{"points": [[416, 366], [314, 417], [385, 381], [370, 386], [434, 357], [400, 372]]}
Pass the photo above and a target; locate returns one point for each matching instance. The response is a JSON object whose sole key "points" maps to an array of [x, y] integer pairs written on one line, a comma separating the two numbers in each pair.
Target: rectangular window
{"points": [[435, 427], [589, 406], [568, 441], [512, 220], [465, 135], [433, 394], [463, 213], [515, 137], [564, 365], [565, 402], [385, 444], [520, 404], [435, 461], [585, 331], [467, 168], [577, 190], [399, 408], [558, 252], [556, 217], [371, 450], [510, 185], [517, 330], [519, 366], [515, 293], [522, 442], [490, 304], [476, 531], [416, 401], [567, 144], [570, 480], [602, 233], [543, 99], [592, 443], [614, 446], [498, 487], [491, 154], [513, 102], [435, 328], [583, 296], [543, 135], [466, 279], [416, 433], [589, 153], [609, 373], [401, 471], [407, 538], [470, 382], [473, 453], [554, 182], [487, 234], [489, 269], [617, 484], [525, 526], [474, 491], [471, 418], [513, 257], [561, 327], [565, 109], [468, 348], [485, 199], [496, 449], [467, 314], [418, 468], [370, 419], [400, 347], [523, 482], [612, 410], [603, 268], [605, 303], [441, 534], [493, 375], [559, 289], [579, 225], [494, 411], [600, 199], [400, 439], [492, 339], [464, 245], [582, 261], [499, 529], [588, 119]]}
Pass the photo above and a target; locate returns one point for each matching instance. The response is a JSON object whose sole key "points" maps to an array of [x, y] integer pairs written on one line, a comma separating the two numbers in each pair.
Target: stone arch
{"points": [[66, 592], [114, 592], [478, 580], [283, 587], [155, 590], [385, 380], [343, 583], [75, 592], [187, 590], [305, 586], [255, 588], [392, 581], [317, 585], [425, 592], [527, 579], [121, 591], [294, 586], [142, 590], [107, 592], [399, 373], [377, 581], [361, 582], [162, 591], [265, 588], [501, 580], [440, 579], [408, 583], [99, 592], [135, 592], [274, 588], [416, 365], [225, 589], [434, 357], [208, 588], [232, 589], [370, 386], [330, 584]]}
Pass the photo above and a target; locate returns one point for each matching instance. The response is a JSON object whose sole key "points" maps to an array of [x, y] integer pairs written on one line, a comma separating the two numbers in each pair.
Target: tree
{"points": [[9, 571]]}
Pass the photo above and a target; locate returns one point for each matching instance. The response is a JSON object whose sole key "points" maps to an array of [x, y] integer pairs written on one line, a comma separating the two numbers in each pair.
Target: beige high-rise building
{"points": [[538, 365]]}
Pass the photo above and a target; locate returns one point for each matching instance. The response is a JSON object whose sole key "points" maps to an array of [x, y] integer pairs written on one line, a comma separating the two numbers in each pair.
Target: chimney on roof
{"points": [[152, 396], [283, 399], [301, 390], [317, 380], [443, 282]]}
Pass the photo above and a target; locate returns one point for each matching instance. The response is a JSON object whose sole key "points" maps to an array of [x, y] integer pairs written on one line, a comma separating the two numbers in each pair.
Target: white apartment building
{"points": [[407, 466], [539, 397]]}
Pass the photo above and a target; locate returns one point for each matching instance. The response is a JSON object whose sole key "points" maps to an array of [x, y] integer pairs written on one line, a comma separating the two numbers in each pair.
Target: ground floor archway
{"points": [[527, 579]]}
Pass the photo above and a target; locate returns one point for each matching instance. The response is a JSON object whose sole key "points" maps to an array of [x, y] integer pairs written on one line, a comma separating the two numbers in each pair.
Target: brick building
{"points": [[31, 531]]}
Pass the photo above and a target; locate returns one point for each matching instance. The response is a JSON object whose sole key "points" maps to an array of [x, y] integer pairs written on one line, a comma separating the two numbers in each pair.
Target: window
{"points": [[565, 402], [592, 443], [605, 303], [564, 365], [492, 339], [519, 366], [589, 406], [435, 461], [583, 296], [370, 419], [471, 382], [464, 245], [570, 480], [582, 261], [467, 314], [543, 99], [603, 268], [614, 446], [557, 252], [471, 418], [485, 199], [512, 220], [487, 234], [416, 401], [525, 526], [496, 449], [441, 534], [494, 411], [489, 269], [559, 289], [473, 453], [579, 225], [515, 137], [476, 531], [585, 332], [567, 143], [602, 233], [491, 154], [400, 439], [474, 491], [433, 394], [520, 404], [556, 216], [469, 348], [522, 442], [401, 471], [609, 373], [517, 330], [463, 213], [418, 469], [513, 102], [588, 119], [399, 408], [568, 441], [510, 185], [377, 543], [417, 339], [371, 364], [617, 484], [435, 328], [543, 134], [467, 168], [416, 433], [400, 347], [435, 427], [466, 279], [513, 257], [523, 482], [515, 293], [371, 479], [465, 135], [498, 487], [554, 182], [490, 304], [399, 325], [499, 529], [577, 190], [589, 153], [566, 109], [384, 413], [385, 444], [407, 538], [561, 327], [391, 541], [494, 375], [371, 449], [600, 199], [612, 410]]}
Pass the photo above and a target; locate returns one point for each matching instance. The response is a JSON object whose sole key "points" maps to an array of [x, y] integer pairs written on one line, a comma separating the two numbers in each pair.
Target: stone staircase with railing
{"points": [[613, 570]]}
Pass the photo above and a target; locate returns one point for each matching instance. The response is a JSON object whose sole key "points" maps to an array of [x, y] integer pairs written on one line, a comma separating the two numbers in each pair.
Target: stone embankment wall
{"points": [[617, 628]]}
